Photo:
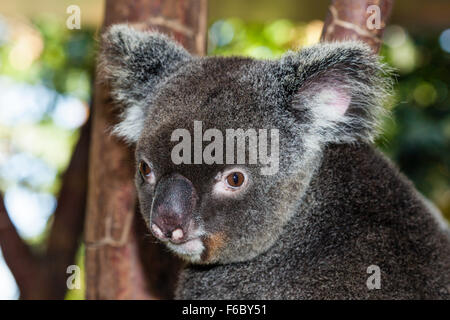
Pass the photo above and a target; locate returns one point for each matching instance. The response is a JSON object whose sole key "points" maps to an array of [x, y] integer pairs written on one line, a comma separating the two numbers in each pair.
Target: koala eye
{"points": [[144, 169], [231, 183], [235, 179]]}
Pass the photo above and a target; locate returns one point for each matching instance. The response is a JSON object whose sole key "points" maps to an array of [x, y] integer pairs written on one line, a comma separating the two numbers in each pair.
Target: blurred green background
{"points": [[47, 70]]}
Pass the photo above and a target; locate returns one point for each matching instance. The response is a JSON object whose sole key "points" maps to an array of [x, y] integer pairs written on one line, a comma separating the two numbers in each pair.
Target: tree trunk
{"points": [[122, 260], [357, 20]]}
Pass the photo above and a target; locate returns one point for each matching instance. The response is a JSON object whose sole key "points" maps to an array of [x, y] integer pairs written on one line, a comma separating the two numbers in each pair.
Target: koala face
{"points": [[218, 212], [206, 198]]}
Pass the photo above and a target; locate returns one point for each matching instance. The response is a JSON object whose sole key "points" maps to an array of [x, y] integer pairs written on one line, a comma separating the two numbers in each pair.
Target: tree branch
{"points": [[349, 19], [68, 219], [16, 252], [44, 276]]}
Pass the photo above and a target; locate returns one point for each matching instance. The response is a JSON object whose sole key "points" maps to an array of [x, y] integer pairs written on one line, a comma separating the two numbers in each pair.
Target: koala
{"points": [[334, 219]]}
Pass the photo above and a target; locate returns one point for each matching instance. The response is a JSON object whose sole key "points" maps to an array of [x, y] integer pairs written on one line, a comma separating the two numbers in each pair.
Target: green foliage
{"points": [[420, 141], [260, 40]]}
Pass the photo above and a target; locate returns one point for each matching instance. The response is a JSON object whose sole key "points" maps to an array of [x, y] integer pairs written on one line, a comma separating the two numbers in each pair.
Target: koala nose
{"points": [[173, 206]]}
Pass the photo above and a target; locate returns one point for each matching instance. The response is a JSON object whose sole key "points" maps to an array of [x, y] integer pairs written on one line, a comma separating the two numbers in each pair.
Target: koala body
{"points": [[332, 209]]}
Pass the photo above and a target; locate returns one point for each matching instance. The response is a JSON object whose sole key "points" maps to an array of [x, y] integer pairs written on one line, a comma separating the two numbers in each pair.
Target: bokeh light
{"points": [[444, 40], [23, 103], [29, 210], [25, 169], [70, 112], [425, 94], [402, 52], [8, 288], [220, 33]]}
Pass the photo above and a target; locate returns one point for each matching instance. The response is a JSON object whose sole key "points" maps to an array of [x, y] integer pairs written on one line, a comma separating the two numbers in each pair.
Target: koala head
{"points": [[200, 192]]}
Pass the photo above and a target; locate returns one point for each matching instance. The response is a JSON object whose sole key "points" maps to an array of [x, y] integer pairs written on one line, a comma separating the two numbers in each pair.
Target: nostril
{"points": [[177, 234], [157, 231]]}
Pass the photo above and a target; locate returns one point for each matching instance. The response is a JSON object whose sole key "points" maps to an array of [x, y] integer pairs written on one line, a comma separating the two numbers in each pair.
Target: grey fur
{"points": [[335, 207]]}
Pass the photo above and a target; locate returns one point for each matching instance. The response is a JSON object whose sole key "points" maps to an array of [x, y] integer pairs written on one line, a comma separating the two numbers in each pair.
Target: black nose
{"points": [[173, 206]]}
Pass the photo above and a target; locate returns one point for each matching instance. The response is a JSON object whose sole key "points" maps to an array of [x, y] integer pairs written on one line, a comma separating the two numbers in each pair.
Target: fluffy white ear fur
{"points": [[327, 104], [331, 103], [131, 124]]}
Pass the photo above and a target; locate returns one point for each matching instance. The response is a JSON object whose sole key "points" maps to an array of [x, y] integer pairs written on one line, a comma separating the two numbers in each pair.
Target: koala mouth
{"points": [[190, 249], [188, 244]]}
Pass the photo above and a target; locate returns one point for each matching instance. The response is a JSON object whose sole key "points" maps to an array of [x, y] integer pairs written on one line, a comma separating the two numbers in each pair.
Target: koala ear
{"points": [[134, 62], [340, 88]]}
